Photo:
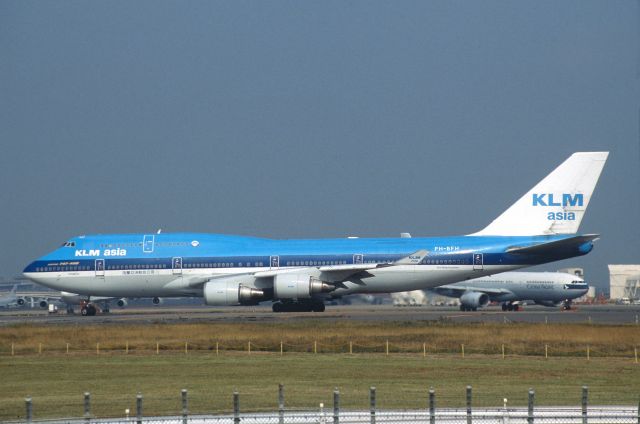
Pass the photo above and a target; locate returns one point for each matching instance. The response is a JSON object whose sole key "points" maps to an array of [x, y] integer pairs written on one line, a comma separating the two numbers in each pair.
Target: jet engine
{"points": [[230, 291], [298, 286], [157, 301], [20, 301], [474, 300], [43, 303], [122, 303]]}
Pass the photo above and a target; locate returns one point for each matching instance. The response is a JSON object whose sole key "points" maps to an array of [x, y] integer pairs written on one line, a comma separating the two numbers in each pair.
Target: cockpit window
{"points": [[578, 282], [69, 244]]}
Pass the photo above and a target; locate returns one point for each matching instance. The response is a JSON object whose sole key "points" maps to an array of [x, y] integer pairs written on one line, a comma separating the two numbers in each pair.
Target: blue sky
{"points": [[311, 119]]}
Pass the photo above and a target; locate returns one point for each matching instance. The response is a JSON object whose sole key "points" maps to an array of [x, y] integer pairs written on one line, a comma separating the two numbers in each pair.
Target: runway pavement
{"points": [[594, 314]]}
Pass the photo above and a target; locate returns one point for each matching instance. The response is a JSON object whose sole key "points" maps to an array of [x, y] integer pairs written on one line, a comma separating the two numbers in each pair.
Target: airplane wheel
{"points": [[504, 306], [84, 312], [462, 308], [91, 310], [277, 307], [319, 307]]}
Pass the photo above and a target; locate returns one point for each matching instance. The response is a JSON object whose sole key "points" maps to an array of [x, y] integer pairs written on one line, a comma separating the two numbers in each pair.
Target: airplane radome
{"points": [[299, 275]]}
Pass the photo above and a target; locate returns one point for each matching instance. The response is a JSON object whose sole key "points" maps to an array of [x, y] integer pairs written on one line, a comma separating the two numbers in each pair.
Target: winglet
{"points": [[413, 259]]}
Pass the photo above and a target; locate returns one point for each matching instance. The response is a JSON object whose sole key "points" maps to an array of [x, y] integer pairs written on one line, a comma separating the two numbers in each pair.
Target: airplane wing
{"points": [[328, 273], [455, 290], [542, 248]]}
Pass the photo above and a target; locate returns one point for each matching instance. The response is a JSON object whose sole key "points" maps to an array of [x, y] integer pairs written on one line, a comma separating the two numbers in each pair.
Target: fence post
{"points": [[462, 349], [126, 347], [281, 403], [336, 406], [424, 350], [281, 347], [432, 406], [13, 352], [236, 407], [157, 348], [350, 348], [185, 407], [502, 350], [139, 408], [87, 407], [532, 395], [29, 409], [469, 405], [585, 397], [67, 348], [387, 347], [372, 404]]}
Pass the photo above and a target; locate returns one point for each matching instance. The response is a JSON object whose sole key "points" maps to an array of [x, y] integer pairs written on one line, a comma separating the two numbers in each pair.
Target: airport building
{"points": [[624, 282]]}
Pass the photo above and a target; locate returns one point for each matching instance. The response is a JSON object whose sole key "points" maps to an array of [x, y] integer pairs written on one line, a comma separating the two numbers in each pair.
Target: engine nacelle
{"points": [[230, 291], [473, 299], [43, 303], [298, 286], [157, 301], [20, 301], [122, 303]]}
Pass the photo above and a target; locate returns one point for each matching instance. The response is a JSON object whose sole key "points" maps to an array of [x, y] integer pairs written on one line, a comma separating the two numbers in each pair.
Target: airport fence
{"points": [[334, 414], [546, 350]]}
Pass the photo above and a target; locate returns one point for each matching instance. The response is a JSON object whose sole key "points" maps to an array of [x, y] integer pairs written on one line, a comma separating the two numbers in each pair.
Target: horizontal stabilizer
{"points": [[542, 248]]}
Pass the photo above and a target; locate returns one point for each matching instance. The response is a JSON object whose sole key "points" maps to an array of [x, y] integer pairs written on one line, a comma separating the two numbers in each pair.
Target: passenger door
{"points": [[176, 265], [100, 268]]}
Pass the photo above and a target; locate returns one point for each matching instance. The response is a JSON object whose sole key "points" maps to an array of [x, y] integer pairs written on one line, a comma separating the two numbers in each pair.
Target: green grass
{"points": [[57, 382]]}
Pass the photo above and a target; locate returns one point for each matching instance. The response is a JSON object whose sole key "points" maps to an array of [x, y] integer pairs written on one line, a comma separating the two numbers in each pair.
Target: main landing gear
{"points": [[300, 306], [567, 305], [87, 309], [510, 306]]}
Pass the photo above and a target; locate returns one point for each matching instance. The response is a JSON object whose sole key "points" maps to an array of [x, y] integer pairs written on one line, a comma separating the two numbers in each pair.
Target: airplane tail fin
{"points": [[556, 205]]}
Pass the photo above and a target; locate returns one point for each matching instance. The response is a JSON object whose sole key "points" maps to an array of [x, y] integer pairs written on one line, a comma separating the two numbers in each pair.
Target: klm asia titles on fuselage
{"points": [[301, 274]]}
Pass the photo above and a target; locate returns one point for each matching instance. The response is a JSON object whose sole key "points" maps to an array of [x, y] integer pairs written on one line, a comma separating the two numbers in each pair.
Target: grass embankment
{"points": [[329, 337], [57, 382]]}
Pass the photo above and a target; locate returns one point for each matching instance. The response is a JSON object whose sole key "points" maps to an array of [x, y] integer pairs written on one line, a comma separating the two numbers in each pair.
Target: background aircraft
{"points": [[544, 288], [11, 300], [299, 275]]}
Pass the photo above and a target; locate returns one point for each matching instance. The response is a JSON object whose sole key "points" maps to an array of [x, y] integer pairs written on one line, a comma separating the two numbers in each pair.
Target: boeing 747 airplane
{"points": [[300, 274]]}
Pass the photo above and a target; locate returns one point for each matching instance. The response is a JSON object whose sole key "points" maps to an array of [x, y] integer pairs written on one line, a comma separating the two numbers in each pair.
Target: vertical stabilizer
{"points": [[556, 205]]}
